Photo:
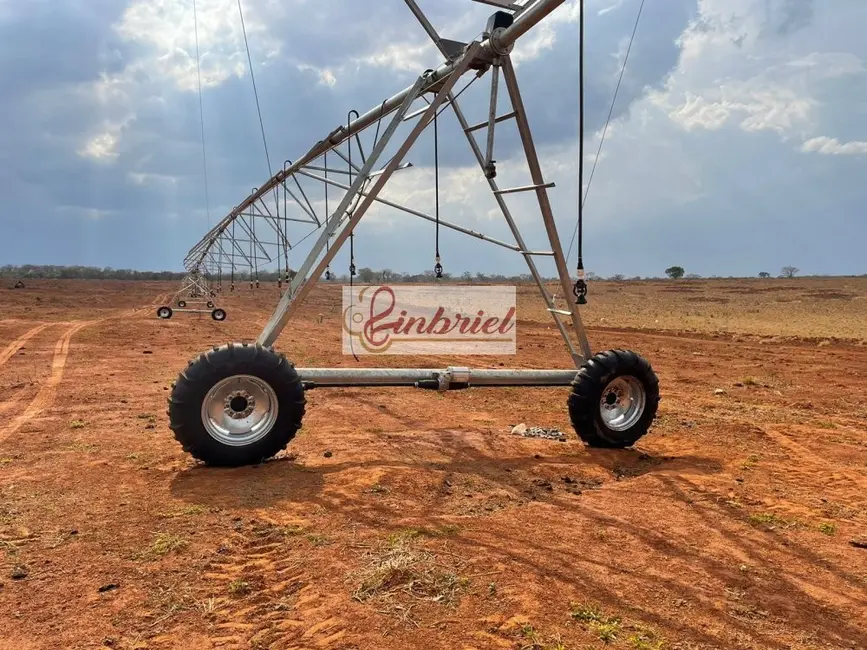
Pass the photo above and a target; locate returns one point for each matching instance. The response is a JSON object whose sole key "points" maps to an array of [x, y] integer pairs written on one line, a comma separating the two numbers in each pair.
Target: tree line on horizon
{"points": [[364, 275]]}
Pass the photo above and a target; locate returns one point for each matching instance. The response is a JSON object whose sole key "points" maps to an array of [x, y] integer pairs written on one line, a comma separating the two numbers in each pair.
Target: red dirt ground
{"points": [[738, 522]]}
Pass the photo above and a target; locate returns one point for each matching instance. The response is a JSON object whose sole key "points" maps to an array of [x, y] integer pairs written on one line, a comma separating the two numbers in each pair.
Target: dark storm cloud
{"points": [[47, 44], [146, 207], [794, 15], [548, 83]]}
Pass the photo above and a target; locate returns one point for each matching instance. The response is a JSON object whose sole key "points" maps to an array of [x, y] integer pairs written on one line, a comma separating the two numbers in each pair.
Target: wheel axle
{"points": [[241, 404]]}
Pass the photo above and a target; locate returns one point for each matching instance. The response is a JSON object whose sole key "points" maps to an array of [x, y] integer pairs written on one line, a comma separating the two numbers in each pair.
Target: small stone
{"points": [[568, 479], [719, 391], [858, 543], [519, 429], [328, 454], [19, 572], [109, 587]]}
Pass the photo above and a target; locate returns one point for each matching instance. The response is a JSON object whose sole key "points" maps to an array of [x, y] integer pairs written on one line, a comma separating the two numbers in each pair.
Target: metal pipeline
{"points": [[440, 379]]}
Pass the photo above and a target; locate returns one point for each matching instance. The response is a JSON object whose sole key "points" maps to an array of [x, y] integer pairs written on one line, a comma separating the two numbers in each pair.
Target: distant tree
{"points": [[618, 278], [592, 276], [366, 275], [675, 272], [386, 276], [764, 274], [789, 271], [466, 276], [692, 276]]}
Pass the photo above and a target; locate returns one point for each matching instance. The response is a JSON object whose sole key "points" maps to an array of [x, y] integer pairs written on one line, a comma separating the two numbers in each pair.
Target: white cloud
{"points": [[833, 147], [167, 29], [325, 75], [140, 178], [408, 56], [731, 72], [101, 146], [78, 211]]}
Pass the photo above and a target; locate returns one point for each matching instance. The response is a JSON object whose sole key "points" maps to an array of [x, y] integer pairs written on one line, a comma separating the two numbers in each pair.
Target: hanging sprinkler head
{"points": [[580, 288]]}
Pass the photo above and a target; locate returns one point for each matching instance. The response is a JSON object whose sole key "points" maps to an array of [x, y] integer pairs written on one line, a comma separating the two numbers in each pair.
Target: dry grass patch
{"points": [[163, 544], [399, 574]]}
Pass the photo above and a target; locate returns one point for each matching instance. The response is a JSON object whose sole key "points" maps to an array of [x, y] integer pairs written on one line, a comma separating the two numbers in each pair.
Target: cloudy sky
{"points": [[738, 143]]}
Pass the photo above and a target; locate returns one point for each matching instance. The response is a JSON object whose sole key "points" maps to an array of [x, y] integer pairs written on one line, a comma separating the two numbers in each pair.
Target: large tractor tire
{"points": [[237, 404], [614, 399]]}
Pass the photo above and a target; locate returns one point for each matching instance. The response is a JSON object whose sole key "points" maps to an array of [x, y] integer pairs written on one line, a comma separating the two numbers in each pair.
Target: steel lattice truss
{"points": [[326, 191], [240, 403]]}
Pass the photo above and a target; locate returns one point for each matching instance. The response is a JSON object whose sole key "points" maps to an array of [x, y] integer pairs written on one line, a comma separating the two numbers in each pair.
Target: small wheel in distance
{"points": [[614, 399], [218, 314], [164, 312], [210, 304], [236, 405], [182, 303]]}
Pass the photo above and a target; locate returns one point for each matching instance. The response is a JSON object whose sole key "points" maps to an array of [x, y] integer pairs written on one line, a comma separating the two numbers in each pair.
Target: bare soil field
{"points": [[409, 519]]}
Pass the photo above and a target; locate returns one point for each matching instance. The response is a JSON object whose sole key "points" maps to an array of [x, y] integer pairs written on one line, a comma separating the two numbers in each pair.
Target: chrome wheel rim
{"points": [[163, 312], [240, 410], [622, 403]]}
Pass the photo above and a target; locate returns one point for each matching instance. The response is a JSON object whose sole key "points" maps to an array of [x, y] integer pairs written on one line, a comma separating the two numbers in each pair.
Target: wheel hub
{"points": [[622, 403], [239, 404], [239, 410]]}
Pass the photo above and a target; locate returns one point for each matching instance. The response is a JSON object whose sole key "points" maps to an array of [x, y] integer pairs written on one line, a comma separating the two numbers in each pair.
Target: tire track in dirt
{"points": [[272, 602], [809, 462], [45, 397], [18, 343]]}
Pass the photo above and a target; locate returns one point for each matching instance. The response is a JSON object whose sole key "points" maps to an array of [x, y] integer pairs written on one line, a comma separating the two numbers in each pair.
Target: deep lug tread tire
{"points": [[202, 373], [587, 389]]}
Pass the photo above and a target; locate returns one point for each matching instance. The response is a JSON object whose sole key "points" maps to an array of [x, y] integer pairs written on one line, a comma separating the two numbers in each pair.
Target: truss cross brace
{"points": [[304, 280]]}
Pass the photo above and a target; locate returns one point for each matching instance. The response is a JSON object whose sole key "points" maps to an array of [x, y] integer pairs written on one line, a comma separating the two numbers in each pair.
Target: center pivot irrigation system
{"points": [[195, 292], [239, 404]]}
